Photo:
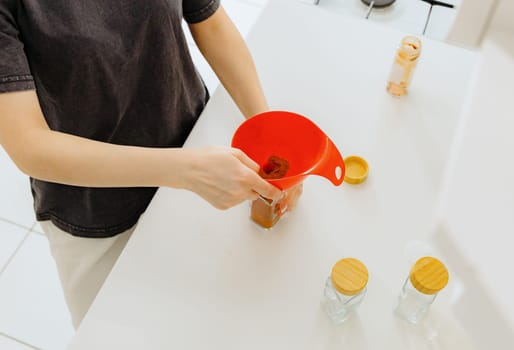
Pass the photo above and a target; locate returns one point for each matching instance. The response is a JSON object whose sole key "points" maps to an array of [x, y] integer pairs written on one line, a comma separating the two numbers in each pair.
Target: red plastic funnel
{"points": [[295, 138]]}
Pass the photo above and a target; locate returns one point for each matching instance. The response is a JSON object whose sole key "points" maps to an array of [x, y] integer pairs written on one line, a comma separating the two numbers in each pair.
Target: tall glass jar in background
{"points": [[345, 289], [405, 61], [427, 277]]}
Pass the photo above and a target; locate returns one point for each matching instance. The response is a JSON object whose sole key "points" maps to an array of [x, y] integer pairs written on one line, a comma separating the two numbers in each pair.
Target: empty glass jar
{"points": [[345, 289], [427, 277]]}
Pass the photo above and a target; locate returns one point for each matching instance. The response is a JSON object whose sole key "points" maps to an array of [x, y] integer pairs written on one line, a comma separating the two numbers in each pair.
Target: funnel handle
{"points": [[331, 165]]}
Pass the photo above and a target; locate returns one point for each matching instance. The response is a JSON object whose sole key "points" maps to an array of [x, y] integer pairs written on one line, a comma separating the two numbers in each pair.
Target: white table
{"points": [[193, 277]]}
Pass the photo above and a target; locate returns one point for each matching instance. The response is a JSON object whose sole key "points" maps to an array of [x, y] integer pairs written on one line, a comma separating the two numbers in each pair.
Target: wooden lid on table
{"points": [[356, 169]]}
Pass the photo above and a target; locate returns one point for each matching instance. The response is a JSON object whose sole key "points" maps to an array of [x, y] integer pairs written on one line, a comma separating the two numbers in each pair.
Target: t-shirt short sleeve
{"points": [[14, 68], [195, 11]]}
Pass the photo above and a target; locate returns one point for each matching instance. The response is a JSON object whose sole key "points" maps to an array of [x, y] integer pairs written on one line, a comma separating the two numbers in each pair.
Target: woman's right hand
{"points": [[226, 176]]}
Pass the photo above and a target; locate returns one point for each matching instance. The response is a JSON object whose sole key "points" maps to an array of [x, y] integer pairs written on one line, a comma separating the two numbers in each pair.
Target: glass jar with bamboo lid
{"points": [[345, 289], [426, 279]]}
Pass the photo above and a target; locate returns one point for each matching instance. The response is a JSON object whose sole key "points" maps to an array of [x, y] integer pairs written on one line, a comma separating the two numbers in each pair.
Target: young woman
{"points": [[96, 99]]}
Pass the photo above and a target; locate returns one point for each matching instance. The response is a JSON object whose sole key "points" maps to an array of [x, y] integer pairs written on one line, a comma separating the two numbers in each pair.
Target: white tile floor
{"points": [[33, 314], [10, 344], [31, 299]]}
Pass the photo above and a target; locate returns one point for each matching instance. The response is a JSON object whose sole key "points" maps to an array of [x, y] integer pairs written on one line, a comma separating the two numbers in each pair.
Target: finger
{"points": [[266, 189], [250, 163], [253, 196]]}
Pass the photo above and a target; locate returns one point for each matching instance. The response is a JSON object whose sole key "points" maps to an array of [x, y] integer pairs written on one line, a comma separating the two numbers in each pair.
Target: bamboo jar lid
{"points": [[349, 276], [356, 169], [410, 48], [429, 275]]}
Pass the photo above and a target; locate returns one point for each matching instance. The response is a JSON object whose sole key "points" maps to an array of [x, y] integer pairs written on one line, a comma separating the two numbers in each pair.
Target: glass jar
{"points": [[405, 61], [267, 213], [345, 289], [427, 277]]}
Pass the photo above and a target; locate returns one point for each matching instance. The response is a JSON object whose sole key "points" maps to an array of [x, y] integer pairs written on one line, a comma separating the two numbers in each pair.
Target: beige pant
{"points": [[83, 265]]}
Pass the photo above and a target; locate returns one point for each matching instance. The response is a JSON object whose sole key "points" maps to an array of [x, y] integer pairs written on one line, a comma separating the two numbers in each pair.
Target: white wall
{"points": [[502, 20], [476, 221], [477, 18]]}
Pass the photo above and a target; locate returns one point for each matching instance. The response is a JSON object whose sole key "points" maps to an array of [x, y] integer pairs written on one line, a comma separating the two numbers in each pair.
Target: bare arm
{"points": [[227, 54], [222, 176]]}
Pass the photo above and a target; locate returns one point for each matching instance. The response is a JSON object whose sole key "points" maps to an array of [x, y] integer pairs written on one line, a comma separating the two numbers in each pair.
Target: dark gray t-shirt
{"points": [[116, 71]]}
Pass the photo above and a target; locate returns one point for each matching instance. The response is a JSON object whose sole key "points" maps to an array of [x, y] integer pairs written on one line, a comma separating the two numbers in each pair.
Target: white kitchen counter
{"points": [[193, 277]]}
